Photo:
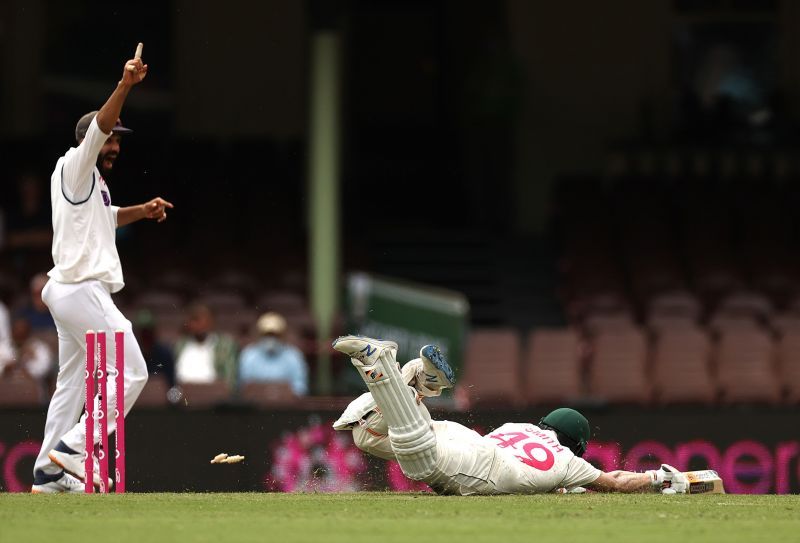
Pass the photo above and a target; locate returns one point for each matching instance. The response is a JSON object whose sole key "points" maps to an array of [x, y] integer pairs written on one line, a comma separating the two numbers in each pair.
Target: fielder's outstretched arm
{"points": [[154, 209]]}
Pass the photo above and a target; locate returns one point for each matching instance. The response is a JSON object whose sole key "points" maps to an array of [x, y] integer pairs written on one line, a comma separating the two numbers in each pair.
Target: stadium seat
{"points": [[596, 323], [237, 322], [268, 394], [785, 323], [20, 390], [170, 324], [175, 281], [749, 303], [720, 323], [235, 280], [552, 366], [789, 357], [618, 367], [660, 323], [220, 301], [492, 373], [154, 394], [202, 395], [280, 301], [746, 367], [159, 301], [681, 366], [679, 303]]}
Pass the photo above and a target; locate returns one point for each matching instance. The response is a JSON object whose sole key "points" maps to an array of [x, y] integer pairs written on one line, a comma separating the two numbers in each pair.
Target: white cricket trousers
{"points": [[76, 308]]}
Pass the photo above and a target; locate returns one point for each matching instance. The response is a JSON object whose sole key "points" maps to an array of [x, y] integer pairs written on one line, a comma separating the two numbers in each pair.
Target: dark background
{"points": [[458, 121]]}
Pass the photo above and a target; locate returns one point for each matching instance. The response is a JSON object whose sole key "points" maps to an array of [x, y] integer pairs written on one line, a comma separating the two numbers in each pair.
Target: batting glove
{"points": [[668, 477]]}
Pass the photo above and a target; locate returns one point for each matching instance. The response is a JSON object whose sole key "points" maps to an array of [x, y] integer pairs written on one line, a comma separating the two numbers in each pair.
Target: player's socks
{"points": [[411, 436]]}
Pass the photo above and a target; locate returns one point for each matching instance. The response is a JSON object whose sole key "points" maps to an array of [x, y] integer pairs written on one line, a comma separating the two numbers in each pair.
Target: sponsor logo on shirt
{"points": [[106, 198]]}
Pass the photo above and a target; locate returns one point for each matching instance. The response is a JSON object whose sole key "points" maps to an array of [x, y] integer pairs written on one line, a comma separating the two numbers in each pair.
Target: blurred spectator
{"points": [[27, 354], [35, 311], [272, 359], [28, 227], [158, 356], [202, 355]]}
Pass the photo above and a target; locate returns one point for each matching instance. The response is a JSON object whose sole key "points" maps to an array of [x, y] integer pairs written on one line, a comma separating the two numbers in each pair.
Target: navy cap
{"points": [[86, 120]]}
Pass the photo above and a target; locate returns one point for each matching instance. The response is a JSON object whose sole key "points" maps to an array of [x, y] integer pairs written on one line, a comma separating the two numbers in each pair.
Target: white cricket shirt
{"points": [[84, 221], [536, 462]]}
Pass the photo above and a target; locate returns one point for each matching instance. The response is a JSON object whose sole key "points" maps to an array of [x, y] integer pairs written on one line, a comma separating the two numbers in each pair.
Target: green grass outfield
{"points": [[388, 517]]}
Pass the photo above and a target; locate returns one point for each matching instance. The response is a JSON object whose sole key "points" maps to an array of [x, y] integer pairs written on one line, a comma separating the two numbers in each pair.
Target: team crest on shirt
{"points": [[104, 193]]}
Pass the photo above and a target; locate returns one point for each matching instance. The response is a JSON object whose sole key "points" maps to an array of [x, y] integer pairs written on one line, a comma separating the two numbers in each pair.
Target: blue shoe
{"points": [[438, 373]]}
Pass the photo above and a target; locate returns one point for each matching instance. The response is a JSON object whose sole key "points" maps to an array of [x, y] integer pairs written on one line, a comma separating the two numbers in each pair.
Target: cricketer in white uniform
{"points": [[391, 422], [86, 272]]}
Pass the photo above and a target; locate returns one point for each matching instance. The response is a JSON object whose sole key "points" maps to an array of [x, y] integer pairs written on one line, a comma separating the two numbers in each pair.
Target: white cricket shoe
{"points": [[363, 349], [72, 462], [63, 482]]}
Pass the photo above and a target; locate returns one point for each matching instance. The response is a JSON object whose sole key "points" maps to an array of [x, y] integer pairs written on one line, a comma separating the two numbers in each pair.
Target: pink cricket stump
{"points": [[119, 412], [102, 385], [89, 377]]}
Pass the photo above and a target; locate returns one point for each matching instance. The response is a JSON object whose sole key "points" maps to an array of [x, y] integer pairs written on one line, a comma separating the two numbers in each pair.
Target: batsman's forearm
{"points": [[109, 113], [623, 481], [127, 215], [629, 481]]}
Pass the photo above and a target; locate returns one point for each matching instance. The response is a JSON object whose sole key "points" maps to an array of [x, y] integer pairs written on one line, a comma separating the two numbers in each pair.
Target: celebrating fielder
{"points": [[518, 458], [86, 272]]}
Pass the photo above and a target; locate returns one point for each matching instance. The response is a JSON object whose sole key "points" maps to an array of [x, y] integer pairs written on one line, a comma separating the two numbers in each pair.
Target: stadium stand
{"points": [[618, 371], [492, 374], [682, 366], [203, 395], [267, 394], [789, 356], [746, 367], [154, 394], [19, 390], [553, 366]]}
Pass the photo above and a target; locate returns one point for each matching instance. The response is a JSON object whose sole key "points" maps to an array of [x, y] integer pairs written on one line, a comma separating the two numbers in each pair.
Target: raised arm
{"points": [[76, 173], [109, 113]]}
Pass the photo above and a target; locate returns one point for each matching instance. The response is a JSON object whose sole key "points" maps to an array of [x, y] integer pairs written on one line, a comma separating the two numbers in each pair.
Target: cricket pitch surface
{"points": [[384, 517]]}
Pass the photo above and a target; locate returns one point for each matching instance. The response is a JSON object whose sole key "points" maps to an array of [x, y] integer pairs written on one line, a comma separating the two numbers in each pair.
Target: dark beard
{"points": [[103, 171]]}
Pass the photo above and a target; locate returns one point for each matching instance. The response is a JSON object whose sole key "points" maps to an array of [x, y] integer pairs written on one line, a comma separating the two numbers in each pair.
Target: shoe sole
{"points": [[432, 353], [376, 342]]}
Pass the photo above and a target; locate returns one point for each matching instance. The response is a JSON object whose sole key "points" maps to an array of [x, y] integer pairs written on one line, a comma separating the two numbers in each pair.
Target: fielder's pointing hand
{"points": [[134, 75], [157, 209]]}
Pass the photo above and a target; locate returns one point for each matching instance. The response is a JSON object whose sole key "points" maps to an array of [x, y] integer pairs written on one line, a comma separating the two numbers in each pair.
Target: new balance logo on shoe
{"points": [[368, 349]]}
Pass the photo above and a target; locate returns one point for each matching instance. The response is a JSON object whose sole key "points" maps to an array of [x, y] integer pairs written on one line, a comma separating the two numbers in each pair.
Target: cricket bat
{"points": [[705, 481]]}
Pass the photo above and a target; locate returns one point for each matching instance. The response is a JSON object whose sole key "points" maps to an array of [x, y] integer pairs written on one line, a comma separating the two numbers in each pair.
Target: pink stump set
{"points": [[97, 383]]}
